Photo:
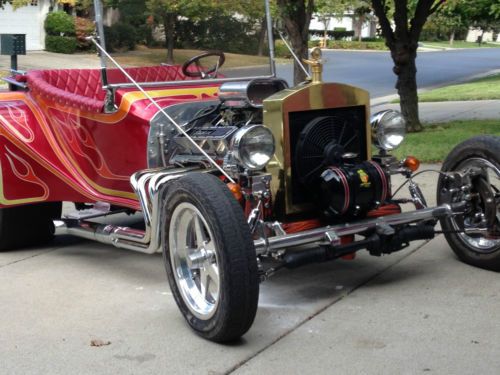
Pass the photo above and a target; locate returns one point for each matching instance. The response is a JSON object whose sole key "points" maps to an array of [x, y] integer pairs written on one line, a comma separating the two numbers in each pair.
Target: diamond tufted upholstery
{"points": [[82, 88]]}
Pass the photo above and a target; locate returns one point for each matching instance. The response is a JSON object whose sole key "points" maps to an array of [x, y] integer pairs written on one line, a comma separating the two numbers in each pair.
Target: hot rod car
{"points": [[235, 178]]}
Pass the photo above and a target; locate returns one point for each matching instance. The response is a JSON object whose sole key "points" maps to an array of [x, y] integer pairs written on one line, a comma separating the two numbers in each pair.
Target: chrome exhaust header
{"points": [[149, 185]]}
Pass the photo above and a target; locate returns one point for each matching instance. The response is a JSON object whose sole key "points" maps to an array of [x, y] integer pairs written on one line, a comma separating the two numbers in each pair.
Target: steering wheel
{"points": [[200, 71]]}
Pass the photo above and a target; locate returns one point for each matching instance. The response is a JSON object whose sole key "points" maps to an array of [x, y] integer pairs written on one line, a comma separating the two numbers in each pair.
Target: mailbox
{"points": [[13, 44]]}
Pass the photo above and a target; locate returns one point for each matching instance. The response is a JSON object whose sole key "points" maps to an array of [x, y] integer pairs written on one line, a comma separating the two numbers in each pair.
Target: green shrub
{"points": [[60, 44], [343, 44], [120, 36], [372, 39], [281, 50], [333, 34], [144, 35], [59, 23]]}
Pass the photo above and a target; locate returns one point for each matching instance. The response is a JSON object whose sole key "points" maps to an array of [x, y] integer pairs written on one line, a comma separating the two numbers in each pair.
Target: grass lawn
{"points": [[459, 44], [144, 56], [437, 140], [480, 89]]}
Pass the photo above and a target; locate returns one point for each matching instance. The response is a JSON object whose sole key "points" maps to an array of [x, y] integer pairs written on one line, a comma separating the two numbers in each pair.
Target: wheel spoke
{"points": [[204, 283], [213, 272], [199, 229]]}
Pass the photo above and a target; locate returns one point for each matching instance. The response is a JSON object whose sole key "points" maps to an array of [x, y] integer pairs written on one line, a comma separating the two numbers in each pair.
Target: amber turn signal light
{"points": [[235, 189], [412, 163]]}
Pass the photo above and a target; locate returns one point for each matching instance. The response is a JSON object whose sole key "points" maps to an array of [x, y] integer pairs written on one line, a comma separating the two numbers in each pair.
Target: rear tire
{"points": [[476, 250], [28, 225], [210, 257]]}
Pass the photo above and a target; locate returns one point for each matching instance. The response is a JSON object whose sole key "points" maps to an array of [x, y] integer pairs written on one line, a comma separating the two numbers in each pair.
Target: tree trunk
{"points": [[402, 40], [262, 36], [358, 26], [406, 70], [169, 25], [452, 37], [296, 15], [301, 50]]}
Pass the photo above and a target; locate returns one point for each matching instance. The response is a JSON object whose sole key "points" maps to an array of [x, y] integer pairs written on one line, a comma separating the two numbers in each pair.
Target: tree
{"points": [[328, 9], [451, 17], [361, 13], [484, 14], [296, 16], [402, 40], [167, 13], [254, 12]]}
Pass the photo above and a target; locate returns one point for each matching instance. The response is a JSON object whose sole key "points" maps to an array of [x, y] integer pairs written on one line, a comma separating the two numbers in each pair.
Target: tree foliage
{"points": [[167, 13], [484, 14], [15, 3]]}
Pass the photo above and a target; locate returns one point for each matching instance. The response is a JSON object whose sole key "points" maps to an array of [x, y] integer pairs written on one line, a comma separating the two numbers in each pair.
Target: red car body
{"points": [[58, 145]]}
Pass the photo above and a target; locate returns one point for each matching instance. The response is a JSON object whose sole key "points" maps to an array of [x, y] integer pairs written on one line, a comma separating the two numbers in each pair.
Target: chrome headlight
{"points": [[388, 129], [253, 146]]}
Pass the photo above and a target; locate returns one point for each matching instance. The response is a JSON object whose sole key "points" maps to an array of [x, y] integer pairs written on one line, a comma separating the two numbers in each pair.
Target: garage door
{"points": [[25, 20]]}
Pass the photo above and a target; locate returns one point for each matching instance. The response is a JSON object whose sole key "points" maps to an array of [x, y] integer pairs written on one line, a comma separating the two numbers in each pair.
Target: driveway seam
{"points": [[31, 257], [340, 298]]}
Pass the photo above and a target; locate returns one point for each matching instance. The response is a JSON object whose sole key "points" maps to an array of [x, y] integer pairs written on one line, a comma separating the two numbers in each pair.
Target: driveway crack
{"points": [[340, 298]]}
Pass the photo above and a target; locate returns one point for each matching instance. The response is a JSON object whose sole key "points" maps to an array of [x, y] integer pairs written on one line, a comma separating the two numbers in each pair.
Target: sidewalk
{"points": [[448, 111]]}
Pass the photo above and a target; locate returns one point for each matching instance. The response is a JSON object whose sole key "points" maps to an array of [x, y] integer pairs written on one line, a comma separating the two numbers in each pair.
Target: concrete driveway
{"points": [[416, 311]]}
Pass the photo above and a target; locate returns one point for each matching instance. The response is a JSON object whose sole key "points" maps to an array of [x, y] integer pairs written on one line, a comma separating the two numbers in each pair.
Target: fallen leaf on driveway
{"points": [[99, 342]]}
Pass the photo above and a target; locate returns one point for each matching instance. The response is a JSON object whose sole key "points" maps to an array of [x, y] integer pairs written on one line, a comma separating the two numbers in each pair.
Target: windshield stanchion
{"points": [[177, 126], [272, 57]]}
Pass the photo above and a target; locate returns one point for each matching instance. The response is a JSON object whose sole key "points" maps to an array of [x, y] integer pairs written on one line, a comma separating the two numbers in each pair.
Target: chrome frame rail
{"points": [[151, 186], [321, 235]]}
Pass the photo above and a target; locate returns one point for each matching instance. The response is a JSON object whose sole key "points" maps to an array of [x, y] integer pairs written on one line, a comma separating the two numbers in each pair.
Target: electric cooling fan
{"points": [[325, 141]]}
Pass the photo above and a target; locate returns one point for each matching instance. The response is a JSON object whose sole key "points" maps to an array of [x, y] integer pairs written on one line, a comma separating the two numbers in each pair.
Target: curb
{"points": [[388, 98]]}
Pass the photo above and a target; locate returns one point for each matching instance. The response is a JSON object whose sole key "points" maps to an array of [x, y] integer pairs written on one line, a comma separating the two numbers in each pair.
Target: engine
{"points": [[229, 129]]}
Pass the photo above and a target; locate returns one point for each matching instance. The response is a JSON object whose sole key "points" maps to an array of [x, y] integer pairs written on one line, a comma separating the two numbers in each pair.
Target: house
{"points": [[29, 20], [487, 36], [347, 23], [26, 20]]}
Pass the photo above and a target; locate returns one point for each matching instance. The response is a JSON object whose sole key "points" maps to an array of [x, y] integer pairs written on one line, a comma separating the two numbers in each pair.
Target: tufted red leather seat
{"points": [[82, 88]]}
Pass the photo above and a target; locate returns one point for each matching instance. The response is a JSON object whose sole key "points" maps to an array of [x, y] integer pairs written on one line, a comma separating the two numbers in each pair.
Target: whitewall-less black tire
{"points": [[209, 257]]}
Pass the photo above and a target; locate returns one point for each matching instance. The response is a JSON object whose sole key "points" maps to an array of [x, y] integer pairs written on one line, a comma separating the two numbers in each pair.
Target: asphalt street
{"points": [[373, 70], [369, 70]]}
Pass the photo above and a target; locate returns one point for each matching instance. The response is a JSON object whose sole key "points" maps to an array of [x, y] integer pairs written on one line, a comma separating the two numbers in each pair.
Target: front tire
{"points": [[210, 258], [28, 225], [477, 250]]}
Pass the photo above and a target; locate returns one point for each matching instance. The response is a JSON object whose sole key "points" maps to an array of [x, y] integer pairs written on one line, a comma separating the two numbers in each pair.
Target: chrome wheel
{"points": [[194, 260], [209, 257], [491, 174]]}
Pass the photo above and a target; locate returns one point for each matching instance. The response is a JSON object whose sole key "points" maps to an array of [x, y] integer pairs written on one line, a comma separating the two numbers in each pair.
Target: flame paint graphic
{"points": [[81, 143], [28, 176], [18, 123]]}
